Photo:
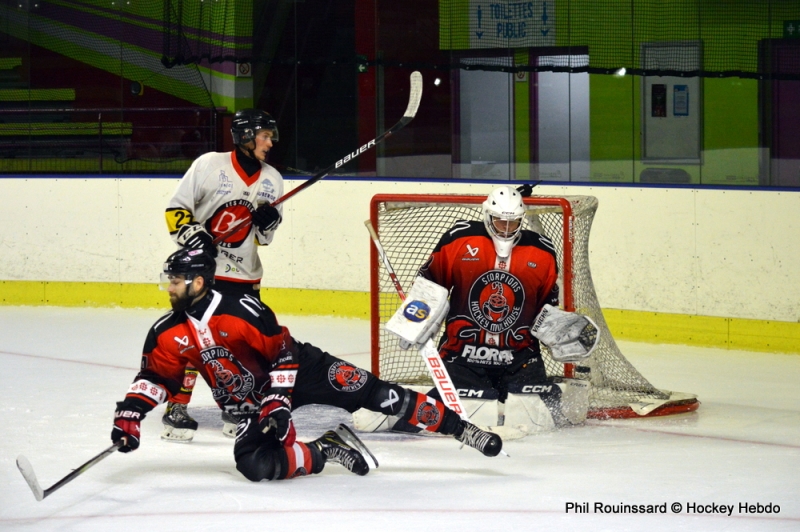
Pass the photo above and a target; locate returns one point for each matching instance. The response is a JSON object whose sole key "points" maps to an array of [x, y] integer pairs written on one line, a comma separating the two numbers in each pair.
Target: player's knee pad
{"points": [[382, 409], [388, 399], [259, 464]]}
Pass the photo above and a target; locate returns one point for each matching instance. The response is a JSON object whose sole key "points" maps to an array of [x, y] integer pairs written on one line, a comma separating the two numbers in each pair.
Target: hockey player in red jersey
{"points": [[502, 280], [258, 373], [219, 192]]}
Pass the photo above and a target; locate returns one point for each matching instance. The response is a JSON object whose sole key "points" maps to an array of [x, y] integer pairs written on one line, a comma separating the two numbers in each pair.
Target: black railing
{"points": [[105, 140]]}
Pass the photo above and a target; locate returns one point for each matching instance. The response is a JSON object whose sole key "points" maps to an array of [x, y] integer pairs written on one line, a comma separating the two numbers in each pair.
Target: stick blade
{"points": [[26, 469], [414, 97]]}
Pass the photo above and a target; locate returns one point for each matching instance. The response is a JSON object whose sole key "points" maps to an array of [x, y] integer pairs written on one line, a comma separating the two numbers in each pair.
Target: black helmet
{"points": [[247, 122], [190, 263]]}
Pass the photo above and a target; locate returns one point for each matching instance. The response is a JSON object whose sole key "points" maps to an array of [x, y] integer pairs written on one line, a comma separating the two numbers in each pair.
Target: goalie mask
{"points": [[503, 211], [247, 122]]}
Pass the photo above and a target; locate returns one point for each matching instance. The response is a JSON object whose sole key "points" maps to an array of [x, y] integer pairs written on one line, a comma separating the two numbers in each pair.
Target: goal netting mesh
{"points": [[410, 226]]}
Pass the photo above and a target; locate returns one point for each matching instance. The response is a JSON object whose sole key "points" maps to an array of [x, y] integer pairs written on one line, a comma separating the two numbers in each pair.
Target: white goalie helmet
{"points": [[503, 211]]}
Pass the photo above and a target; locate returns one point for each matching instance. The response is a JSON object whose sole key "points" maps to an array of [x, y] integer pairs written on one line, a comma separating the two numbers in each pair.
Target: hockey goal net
{"points": [[410, 226]]}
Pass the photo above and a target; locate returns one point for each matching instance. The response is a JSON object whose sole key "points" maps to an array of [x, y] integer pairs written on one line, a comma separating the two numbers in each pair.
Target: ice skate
{"points": [[229, 424], [488, 443], [179, 426], [342, 447]]}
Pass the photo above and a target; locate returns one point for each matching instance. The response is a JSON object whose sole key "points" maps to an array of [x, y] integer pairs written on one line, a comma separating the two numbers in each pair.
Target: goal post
{"points": [[409, 227]]}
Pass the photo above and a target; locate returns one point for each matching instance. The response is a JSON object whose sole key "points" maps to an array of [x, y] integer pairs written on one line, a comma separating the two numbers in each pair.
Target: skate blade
{"points": [[26, 469], [177, 435], [229, 430], [349, 437]]}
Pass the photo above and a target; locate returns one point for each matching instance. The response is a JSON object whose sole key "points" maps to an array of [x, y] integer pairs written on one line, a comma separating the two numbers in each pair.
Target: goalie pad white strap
{"points": [[421, 314], [569, 335]]}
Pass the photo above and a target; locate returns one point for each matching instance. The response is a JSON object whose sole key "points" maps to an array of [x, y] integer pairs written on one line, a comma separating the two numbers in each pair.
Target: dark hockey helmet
{"points": [[247, 122], [190, 263]]}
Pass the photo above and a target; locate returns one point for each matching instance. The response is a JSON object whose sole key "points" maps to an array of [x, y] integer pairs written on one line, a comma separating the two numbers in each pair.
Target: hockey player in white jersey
{"points": [[220, 193]]}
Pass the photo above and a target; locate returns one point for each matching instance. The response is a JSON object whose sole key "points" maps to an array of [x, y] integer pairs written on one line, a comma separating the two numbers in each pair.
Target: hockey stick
{"points": [[414, 98], [26, 469], [429, 353]]}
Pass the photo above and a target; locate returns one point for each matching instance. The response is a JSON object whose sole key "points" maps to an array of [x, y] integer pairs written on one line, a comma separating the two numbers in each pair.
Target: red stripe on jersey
{"points": [[232, 280]]}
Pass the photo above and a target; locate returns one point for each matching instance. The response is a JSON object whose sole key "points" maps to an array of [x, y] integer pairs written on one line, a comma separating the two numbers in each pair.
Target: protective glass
{"points": [[271, 134]]}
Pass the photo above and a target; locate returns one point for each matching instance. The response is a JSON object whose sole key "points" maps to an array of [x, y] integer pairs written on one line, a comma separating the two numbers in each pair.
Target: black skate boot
{"points": [[179, 426], [488, 443], [342, 447]]}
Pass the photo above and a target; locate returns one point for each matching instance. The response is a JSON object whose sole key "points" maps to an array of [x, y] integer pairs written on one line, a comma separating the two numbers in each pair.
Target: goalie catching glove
{"points": [[421, 314], [569, 335]]}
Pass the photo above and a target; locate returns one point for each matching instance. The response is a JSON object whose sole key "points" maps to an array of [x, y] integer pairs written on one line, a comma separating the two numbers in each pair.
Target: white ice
{"points": [[65, 368]]}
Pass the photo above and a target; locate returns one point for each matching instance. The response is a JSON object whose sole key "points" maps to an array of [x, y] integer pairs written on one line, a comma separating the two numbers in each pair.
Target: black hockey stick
{"points": [[414, 98], [26, 469]]}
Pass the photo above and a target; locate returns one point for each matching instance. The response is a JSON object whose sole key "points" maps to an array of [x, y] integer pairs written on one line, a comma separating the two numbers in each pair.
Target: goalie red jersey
{"points": [[492, 301]]}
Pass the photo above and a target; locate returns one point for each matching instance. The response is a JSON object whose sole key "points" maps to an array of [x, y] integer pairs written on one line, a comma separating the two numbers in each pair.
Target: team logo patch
{"points": [[229, 379], [229, 216], [346, 377], [417, 311], [428, 414], [496, 300]]}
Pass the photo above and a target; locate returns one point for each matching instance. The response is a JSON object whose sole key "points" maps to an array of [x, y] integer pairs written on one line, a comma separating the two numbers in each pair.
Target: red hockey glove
{"points": [[276, 413], [127, 421]]}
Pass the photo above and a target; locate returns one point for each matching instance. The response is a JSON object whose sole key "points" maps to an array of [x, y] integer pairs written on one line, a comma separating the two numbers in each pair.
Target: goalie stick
{"points": [[429, 353], [414, 98], [26, 469]]}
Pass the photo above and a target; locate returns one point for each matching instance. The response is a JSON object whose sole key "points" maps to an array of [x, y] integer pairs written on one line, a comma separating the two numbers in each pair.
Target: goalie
{"points": [[503, 299]]}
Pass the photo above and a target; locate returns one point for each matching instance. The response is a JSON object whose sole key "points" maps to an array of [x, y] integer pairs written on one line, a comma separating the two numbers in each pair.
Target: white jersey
{"points": [[218, 194]]}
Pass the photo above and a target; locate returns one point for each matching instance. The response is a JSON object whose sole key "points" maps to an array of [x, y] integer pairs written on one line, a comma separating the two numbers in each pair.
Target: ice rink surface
{"points": [[65, 369]]}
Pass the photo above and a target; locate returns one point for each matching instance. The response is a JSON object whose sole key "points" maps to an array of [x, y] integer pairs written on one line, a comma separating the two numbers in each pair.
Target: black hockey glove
{"points": [[276, 413], [267, 218], [193, 236], [127, 426]]}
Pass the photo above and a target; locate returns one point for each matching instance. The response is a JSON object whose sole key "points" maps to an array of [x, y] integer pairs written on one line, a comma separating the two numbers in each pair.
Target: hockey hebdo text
{"points": [[674, 507]]}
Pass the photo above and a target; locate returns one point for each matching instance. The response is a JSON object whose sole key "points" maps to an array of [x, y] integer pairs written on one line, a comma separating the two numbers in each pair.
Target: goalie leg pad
{"points": [[528, 413], [560, 404], [574, 400]]}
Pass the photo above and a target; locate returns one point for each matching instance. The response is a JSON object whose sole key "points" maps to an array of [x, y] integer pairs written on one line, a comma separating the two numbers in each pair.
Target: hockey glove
{"points": [[267, 218], [569, 335], [193, 236], [276, 413], [127, 426]]}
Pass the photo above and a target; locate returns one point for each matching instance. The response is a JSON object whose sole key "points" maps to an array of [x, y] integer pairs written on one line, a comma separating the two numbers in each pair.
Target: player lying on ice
{"points": [[503, 299], [258, 373]]}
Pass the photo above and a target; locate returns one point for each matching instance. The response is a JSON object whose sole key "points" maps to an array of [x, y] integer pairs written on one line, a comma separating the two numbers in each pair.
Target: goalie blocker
{"points": [[421, 314]]}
